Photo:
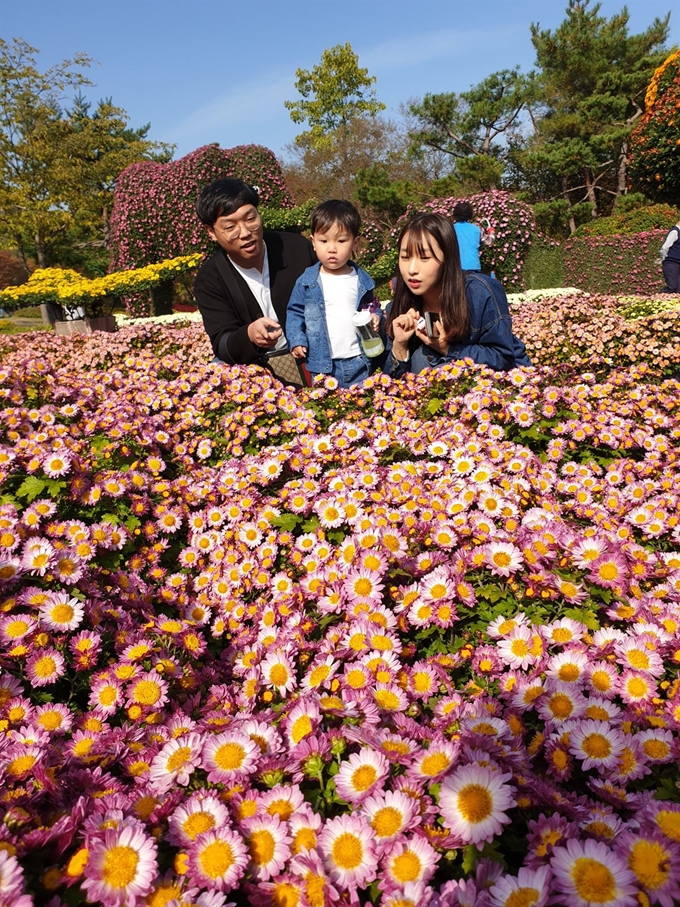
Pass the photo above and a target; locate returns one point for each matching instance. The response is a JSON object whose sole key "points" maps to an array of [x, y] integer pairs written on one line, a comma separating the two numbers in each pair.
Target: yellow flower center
{"points": [[655, 749], [147, 692], [216, 859], [62, 614], [302, 726], [45, 666], [21, 765], [318, 675], [561, 705], [364, 777], [669, 823], [637, 687], [229, 756], [262, 846], [474, 803], [120, 866], [285, 895], [523, 897], [387, 822], [434, 764], [638, 659], [569, 673], [519, 647], [16, 629], [305, 839], [650, 862], [596, 746], [406, 867], [363, 586], [608, 571], [387, 699], [196, 823], [601, 680], [278, 675], [348, 851], [594, 883], [179, 758]]}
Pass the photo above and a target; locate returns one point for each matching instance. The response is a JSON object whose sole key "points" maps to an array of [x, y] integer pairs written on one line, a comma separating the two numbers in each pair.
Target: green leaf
{"points": [[287, 521], [30, 488], [434, 406], [311, 525], [111, 518]]}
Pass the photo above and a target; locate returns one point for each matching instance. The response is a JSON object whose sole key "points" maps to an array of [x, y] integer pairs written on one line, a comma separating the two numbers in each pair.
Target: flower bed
{"points": [[416, 642]]}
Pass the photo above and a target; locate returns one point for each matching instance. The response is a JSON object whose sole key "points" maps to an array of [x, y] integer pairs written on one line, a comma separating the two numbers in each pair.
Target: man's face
{"points": [[240, 235]]}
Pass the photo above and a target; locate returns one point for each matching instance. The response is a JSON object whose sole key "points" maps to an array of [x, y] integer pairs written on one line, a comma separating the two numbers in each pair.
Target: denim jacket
{"points": [[306, 316], [490, 342]]}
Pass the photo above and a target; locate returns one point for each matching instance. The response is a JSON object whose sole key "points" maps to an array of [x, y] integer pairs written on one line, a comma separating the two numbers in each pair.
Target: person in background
{"points": [[319, 323], [670, 260], [469, 237], [243, 289], [439, 313]]}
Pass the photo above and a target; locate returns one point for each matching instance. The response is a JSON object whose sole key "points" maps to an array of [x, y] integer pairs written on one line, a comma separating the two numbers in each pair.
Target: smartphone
{"points": [[430, 318]]}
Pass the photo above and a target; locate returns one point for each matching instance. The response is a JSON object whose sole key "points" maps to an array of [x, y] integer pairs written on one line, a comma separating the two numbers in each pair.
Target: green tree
{"points": [[591, 81], [468, 126], [58, 166], [333, 93]]}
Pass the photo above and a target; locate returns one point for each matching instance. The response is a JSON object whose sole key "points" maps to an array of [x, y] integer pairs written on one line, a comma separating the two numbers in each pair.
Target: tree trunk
{"points": [[590, 191], [622, 173], [565, 193], [39, 250]]}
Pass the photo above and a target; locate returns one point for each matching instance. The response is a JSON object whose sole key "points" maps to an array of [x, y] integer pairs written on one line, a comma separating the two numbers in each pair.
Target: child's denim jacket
{"points": [[306, 316]]}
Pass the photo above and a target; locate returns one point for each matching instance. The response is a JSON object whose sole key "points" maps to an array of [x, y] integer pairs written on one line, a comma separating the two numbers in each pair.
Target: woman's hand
{"points": [[403, 328], [438, 343]]}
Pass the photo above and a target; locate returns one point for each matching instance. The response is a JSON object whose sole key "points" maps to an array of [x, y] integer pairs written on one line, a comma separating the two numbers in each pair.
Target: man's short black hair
{"points": [[335, 211], [463, 211], [222, 198]]}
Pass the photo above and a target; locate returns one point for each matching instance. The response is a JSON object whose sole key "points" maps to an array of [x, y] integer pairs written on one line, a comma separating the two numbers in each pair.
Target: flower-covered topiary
{"points": [[154, 213], [614, 264], [654, 164]]}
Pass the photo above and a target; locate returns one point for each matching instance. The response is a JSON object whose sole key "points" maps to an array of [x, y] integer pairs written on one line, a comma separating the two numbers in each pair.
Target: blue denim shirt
{"points": [[306, 316], [490, 342]]}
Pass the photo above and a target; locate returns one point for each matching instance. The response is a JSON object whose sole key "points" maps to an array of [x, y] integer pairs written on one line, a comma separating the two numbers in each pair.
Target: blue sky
{"points": [[205, 71]]}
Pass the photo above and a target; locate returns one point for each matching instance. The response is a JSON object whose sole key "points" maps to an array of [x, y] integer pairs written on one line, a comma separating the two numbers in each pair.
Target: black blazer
{"points": [[227, 314]]}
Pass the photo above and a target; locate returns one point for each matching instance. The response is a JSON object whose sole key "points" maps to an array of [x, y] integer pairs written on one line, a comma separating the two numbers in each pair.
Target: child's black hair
{"points": [[222, 198], [335, 211], [462, 212]]}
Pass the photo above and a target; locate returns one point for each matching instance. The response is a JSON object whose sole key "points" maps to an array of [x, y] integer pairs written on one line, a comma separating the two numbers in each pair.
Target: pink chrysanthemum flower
{"points": [[473, 801], [11, 879], [408, 860], [283, 800], [390, 814], [530, 887], [503, 558], [657, 745], [54, 718], [560, 702], [602, 678], [121, 867], [196, 817], [268, 845], [569, 666], [633, 654], [596, 744], [363, 585], [361, 775], [635, 687], [45, 666], [229, 755], [106, 695], [56, 464], [655, 863], [346, 844], [517, 649], [148, 690], [277, 671], [217, 860], [589, 872], [504, 626], [563, 631], [176, 762], [430, 764]]}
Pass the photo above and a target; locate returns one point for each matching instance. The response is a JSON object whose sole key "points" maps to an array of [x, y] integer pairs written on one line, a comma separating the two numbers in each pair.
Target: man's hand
{"points": [[264, 332], [299, 352]]}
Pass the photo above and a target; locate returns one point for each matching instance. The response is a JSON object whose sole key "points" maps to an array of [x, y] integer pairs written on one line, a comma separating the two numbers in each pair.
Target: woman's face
{"points": [[421, 265]]}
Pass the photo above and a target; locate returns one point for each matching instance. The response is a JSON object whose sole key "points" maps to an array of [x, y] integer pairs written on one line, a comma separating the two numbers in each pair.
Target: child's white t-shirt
{"points": [[340, 297]]}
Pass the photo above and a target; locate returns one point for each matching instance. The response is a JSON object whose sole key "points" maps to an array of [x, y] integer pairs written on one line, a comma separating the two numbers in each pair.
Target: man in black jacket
{"points": [[242, 290]]}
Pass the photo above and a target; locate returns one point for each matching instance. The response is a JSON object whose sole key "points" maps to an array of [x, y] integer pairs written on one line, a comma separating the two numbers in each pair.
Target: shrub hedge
{"points": [[615, 265]]}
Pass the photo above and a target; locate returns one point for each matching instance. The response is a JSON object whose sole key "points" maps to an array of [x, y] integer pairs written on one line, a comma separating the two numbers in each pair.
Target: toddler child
{"points": [[319, 325]]}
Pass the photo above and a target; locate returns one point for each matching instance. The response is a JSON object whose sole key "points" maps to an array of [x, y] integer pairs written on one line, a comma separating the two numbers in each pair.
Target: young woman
{"points": [[467, 315]]}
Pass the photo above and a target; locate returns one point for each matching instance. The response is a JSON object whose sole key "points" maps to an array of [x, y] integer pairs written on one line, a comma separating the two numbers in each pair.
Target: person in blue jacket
{"points": [[469, 237], [319, 322], [439, 313]]}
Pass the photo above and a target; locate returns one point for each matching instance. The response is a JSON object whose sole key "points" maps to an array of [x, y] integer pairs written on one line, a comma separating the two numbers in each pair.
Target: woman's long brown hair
{"points": [[455, 314]]}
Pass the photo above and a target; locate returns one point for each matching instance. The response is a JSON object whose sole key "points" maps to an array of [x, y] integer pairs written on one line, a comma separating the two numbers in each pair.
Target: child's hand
{"points": [[299, 352], [375, 321]]}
